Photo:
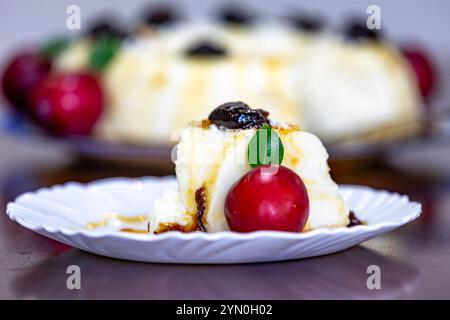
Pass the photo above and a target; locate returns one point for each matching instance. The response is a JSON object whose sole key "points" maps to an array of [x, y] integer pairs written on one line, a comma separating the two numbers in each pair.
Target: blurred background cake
{"points": [[339, 85], [161, 70]]}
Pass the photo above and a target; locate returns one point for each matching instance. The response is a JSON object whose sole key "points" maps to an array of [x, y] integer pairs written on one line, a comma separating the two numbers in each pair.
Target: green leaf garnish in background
{"points": [[265, 147], [103, 50], [54, 47]]}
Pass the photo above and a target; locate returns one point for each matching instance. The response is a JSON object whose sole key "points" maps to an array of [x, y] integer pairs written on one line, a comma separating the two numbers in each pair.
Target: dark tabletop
{"points": [[414, 260]]}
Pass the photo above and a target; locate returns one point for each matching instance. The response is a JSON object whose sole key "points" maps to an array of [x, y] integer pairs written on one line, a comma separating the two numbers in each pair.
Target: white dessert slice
{"points": [[210, 160]]}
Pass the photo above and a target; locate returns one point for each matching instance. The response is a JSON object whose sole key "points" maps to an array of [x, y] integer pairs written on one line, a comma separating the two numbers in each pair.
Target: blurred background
{"points": [[416, 27], [406, 151], [412, 20]]}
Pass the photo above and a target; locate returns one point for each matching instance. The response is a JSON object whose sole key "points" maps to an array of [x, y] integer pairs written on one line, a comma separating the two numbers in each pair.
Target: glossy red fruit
{"points": [[423, 69], [67, 104], [267, 199], [21, 74]]}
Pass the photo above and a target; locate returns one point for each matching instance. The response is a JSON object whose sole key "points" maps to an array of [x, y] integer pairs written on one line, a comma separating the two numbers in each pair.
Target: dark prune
{"points": [[160, 16], [106, 27], [307, 23], [238, 115], [353, 220], [358, 31], [235, 16], [206, 48]]}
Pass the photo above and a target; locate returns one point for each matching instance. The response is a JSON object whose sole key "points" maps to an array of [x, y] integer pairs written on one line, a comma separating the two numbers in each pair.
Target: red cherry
{"points": [[67, 104], [267, 198], [423, 69], [21, 74]]}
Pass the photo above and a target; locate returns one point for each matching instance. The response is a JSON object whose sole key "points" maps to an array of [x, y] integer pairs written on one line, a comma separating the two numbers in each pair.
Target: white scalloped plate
{"points": [[63, 211]]}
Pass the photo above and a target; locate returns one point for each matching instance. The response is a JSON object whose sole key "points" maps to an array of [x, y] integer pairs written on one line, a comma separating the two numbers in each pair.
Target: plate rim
{"points": [[13, 212]]}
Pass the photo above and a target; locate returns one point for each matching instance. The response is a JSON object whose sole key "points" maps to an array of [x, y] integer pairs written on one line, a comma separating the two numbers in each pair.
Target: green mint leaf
{"points": [[265, 147], [102, 52]]}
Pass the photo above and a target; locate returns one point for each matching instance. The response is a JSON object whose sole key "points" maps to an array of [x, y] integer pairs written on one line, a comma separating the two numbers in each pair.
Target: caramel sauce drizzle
{"points": [[205, 123], [165, 227], [125, 219], [197, 224], [200, 199], [282, 130]]}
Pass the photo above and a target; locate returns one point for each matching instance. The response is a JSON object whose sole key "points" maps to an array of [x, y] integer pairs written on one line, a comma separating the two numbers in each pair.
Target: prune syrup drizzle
{"points": [[354, 221], [200, 199], [197, 225]]}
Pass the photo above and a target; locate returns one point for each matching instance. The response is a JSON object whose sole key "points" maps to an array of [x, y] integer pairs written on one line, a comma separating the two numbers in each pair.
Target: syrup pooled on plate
{"points": [[122, 223]]}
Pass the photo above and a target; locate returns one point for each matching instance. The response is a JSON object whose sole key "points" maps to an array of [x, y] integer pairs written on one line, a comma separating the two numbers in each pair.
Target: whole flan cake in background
{"points": [[165, 70]]}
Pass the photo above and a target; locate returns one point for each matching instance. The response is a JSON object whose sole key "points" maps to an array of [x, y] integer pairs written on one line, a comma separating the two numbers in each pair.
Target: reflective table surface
{"points": [[414, 260]]}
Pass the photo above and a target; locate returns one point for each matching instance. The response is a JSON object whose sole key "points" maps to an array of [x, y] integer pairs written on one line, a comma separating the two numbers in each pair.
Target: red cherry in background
{"points": [[21, 74], [422, 67], [67, 104], [267, 199]]}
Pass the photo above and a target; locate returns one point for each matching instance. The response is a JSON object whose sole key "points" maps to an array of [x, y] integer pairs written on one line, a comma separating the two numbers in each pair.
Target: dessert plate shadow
{"points": [[63, 212]]}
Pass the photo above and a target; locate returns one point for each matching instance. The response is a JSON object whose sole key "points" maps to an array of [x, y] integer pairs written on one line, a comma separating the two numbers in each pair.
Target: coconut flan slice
{"points": [[212, 155]]}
